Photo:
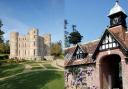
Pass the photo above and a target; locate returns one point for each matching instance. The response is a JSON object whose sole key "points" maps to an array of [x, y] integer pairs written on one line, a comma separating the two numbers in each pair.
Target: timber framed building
{"points": [[101, 64]]}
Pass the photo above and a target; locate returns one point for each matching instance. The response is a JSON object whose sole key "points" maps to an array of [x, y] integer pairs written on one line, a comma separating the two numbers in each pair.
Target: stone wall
{"points": [[80, 77]]}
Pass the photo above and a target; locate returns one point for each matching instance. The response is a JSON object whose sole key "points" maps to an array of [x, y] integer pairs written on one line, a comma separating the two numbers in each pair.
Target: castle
{"points": [[100, 64], [29, 47]]}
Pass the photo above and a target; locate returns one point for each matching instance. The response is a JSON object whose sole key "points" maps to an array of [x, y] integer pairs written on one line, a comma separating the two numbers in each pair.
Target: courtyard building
{"points": [[103, 63], [31, 46]]}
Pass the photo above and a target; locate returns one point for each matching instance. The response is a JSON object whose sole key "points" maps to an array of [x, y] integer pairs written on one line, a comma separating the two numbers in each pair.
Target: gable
{"points": [[79, 50], [108, 41], [79, 53]]}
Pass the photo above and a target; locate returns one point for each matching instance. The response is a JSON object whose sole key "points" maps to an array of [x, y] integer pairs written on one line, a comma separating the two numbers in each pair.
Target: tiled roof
{"points": [[86, 60], [120, 35], [89, 47]]}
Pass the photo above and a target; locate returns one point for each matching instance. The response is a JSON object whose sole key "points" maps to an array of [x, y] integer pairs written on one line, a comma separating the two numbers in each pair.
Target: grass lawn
{"points": [[35, 80], [49, 66], [3, 54], [39, 79], [33, 68], [10, 69]]}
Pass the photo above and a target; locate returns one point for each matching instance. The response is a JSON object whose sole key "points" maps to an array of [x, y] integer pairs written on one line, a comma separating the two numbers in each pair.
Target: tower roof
{"points": [[116, 8]]}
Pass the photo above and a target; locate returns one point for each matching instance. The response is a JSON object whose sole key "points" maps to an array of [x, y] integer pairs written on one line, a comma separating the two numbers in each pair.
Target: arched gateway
{"points": [[101, 64], [111, 69], [111, 72]]}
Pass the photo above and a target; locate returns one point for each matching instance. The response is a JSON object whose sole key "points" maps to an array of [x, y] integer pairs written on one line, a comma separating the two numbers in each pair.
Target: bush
{"points": [[3, 57]]}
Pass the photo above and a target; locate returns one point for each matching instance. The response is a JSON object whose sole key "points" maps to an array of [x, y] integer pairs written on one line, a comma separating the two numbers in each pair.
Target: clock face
{"points": [[115, 21]]}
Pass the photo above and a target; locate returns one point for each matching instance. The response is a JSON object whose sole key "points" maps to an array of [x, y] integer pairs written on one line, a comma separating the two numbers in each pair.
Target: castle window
{"points": [[34, 31], [34, 52], [34, 43], [34, 36], [25, 52]]}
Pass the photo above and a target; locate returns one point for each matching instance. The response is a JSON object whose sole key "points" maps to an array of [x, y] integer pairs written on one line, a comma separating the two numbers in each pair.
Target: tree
{"points": [[66, 33], [1, 32], [75, 37], [6, 47], [1, 38], [56, 49], [1, 47]]}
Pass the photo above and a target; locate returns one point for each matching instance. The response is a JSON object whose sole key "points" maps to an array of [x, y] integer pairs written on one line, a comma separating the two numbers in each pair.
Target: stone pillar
{"points": [[124, 74], [47, 42], [98, 75]]}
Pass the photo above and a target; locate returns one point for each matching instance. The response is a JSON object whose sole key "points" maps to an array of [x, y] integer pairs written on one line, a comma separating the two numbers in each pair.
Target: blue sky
{"points": [[90, 16], [21, 15]]}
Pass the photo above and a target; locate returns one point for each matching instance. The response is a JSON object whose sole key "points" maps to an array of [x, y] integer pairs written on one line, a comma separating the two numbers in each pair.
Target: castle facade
{"points": [[29, 47]]}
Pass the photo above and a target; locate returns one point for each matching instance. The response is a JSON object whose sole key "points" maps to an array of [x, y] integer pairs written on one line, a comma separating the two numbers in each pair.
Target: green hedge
{"points": [[4, 57]]}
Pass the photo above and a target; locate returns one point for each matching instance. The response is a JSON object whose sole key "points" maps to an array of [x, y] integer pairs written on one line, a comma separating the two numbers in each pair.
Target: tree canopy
{"points": [[4, 46], [75, 37], [56, 49], [1, 32]]}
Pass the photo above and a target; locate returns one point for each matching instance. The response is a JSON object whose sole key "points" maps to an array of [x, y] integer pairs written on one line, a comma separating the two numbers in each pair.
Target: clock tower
{"points": [[117, 16]]}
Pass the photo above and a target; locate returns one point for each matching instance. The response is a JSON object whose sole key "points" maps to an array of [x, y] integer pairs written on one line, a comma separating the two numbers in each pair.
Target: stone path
{"points": [[27, 67], [54, 63], [40, 64]]}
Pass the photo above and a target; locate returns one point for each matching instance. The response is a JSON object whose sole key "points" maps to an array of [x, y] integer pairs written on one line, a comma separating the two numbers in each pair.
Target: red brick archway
{"points": [[102, 55], [110, 72]]}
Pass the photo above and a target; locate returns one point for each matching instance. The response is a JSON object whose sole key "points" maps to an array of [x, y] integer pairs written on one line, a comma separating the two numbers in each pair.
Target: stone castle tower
{"points": [[47, 43], [14, 44], [32, 46]]}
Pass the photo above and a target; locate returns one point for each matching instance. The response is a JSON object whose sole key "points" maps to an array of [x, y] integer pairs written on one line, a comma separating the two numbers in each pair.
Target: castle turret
{"points": [[14, 44], [47, 43], [33, 35]]}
